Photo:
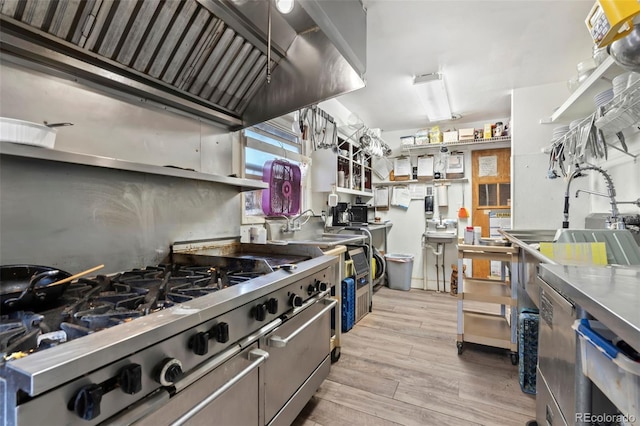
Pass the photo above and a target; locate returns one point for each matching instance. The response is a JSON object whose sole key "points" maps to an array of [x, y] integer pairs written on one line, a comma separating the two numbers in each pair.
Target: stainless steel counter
{"points": [[611, 294]]}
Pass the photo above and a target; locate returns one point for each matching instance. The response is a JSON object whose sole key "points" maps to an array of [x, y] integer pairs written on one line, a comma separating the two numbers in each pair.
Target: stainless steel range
{"points": [[241, 336]]}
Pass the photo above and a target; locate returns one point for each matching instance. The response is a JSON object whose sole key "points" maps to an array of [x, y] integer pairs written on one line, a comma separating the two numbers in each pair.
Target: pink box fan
{"points": [[283, 195]]}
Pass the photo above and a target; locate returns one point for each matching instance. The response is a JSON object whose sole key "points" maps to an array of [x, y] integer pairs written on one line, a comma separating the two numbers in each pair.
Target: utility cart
{"points": [[497, 330]]}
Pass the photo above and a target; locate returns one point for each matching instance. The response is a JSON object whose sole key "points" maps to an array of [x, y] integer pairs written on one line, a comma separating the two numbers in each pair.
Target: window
{"points": [[264, 142], [494, 195]]}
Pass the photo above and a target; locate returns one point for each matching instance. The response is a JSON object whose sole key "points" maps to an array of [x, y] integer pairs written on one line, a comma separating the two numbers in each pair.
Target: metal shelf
{"points": [[26, 151], [429, 182], [580, 102], [503, 141], [340, 190]]}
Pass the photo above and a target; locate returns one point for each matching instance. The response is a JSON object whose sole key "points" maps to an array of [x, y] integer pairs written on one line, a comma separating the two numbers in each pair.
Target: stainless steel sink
{"points": [[621, 247], [440, 237]]}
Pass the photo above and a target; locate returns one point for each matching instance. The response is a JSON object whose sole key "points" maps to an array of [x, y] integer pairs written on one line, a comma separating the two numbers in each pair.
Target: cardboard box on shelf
{"points": [[407, 140], [422, 139], [466, 134], [487, 131], [451, 136]]}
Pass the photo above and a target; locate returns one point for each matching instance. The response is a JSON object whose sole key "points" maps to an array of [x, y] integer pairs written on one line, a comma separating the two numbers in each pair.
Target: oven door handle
{"points": [[280, 342], [258, 356]]}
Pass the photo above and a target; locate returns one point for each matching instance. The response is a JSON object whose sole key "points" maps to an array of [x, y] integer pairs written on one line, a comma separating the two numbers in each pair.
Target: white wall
{"points": [[538, 202], [408, 225], [625, 174]]}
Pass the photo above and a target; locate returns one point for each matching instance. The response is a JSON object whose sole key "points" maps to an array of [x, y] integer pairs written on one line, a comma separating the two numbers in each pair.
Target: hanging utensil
{"points": [[463, 213]]}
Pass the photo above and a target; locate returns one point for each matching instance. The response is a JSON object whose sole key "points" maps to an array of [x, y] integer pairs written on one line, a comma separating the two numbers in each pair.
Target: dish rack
{"points": [[622, 112], [592, 136]]}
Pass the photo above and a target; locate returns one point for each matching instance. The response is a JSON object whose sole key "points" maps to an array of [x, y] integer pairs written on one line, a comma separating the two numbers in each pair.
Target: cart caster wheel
{"points": [[335, 355], [514, 358], [532, 423], [460, 347]]}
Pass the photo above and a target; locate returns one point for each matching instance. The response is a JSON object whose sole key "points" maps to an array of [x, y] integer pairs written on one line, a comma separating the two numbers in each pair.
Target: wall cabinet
{"points": [[349, 170]]}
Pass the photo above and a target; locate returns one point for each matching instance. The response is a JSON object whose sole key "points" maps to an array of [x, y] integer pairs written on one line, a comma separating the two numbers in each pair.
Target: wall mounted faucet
{"points": [[614, 220]]}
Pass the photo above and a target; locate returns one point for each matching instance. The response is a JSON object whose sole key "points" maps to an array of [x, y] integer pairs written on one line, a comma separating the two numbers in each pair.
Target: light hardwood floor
{"points": [[399, 366]]}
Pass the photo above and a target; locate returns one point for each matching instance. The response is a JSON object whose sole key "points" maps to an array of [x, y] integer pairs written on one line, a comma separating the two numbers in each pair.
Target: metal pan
{"points": [[30, 286]]}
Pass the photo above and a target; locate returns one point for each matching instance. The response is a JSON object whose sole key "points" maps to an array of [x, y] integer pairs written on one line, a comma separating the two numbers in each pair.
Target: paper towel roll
{"points": [[443, 196]]}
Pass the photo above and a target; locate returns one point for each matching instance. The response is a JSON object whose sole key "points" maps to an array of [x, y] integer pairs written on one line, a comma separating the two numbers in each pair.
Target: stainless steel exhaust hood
{"points": [[204, 58]]}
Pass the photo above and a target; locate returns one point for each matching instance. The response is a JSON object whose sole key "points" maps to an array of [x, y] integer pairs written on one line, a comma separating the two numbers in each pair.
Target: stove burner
{"points": [[90, 305]]}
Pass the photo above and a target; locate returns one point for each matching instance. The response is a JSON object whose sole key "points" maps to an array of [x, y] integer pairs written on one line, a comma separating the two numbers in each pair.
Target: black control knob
{"points": [[323, 286], [311, 289], [272, 305], [173, 373], [199, 343], [169, 371], [261, 312], [295, 300], [86, 402], [130, 379], [221, 332]]}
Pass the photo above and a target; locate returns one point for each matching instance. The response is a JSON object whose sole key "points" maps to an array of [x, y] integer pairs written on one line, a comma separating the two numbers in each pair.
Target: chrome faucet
{"points": [[614, 220], [291, 226], [441, 225]]}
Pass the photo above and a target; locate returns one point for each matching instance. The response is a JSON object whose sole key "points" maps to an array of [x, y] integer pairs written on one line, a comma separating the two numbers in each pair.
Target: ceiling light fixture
{"points": [[434, 95], [284, 6]]}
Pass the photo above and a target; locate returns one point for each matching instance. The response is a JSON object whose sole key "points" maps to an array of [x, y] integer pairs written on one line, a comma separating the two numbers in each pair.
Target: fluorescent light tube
{"points": [[433, 95]]}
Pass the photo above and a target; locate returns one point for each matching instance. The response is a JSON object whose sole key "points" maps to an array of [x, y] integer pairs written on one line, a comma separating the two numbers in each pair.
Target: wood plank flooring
{"points": [[399, 366]]}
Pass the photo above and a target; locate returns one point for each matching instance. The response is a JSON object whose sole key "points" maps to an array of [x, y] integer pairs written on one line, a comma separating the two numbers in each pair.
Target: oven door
{"points": [[298, 360], [228, 394]]}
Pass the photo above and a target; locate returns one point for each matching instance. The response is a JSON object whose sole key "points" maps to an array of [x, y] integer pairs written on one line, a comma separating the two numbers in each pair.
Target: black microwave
{"points": [[359, 214]]}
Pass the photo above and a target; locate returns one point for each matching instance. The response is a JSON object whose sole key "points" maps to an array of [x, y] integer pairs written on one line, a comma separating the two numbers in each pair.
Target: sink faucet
{"points": [[441, 225], [615, 222], [291, 226]]}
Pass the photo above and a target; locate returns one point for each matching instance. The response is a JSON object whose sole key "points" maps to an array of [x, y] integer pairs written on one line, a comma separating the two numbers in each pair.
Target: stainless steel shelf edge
{"points": [[340, 190], [426, 182], [38, 153], [582, 90], [497, 142]]}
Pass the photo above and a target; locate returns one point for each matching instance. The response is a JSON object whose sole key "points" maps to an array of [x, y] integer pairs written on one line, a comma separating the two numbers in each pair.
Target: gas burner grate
{"points": [[93, 304]]}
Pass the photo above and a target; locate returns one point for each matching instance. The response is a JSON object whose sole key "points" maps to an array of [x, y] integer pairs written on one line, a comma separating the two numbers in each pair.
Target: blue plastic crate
{"points": [[348, 304], [528, 350]]}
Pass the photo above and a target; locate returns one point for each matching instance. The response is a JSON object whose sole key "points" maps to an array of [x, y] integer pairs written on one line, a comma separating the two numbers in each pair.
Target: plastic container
{"points": [[617, 375], [399, 269], [477, 235], [528, 350], [468, 235], [27, 133]]}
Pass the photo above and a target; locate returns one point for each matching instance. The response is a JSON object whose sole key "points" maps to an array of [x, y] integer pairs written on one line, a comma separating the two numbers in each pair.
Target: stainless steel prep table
{"points": [[610, 294]]}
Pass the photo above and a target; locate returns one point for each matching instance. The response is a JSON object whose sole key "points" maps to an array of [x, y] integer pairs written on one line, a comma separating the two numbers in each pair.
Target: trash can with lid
{"points": [[399, 269]]}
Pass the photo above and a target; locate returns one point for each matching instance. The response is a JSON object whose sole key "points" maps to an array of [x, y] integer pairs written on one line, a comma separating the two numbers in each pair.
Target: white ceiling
{"points": [[484, 49]]}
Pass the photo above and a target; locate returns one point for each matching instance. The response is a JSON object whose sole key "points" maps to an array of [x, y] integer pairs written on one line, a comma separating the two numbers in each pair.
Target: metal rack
{"points": [[475, 142], [579, 143], [499, 330]]}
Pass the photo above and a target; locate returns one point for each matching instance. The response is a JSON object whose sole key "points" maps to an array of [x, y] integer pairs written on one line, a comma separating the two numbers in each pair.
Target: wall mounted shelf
{"points": [[26, 151], [340, 190], [426, 182], [580, 102], [497, 142]]}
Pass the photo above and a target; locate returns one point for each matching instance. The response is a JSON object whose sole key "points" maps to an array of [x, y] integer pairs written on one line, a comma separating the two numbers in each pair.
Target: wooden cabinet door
{"points": [[491, 190]]}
